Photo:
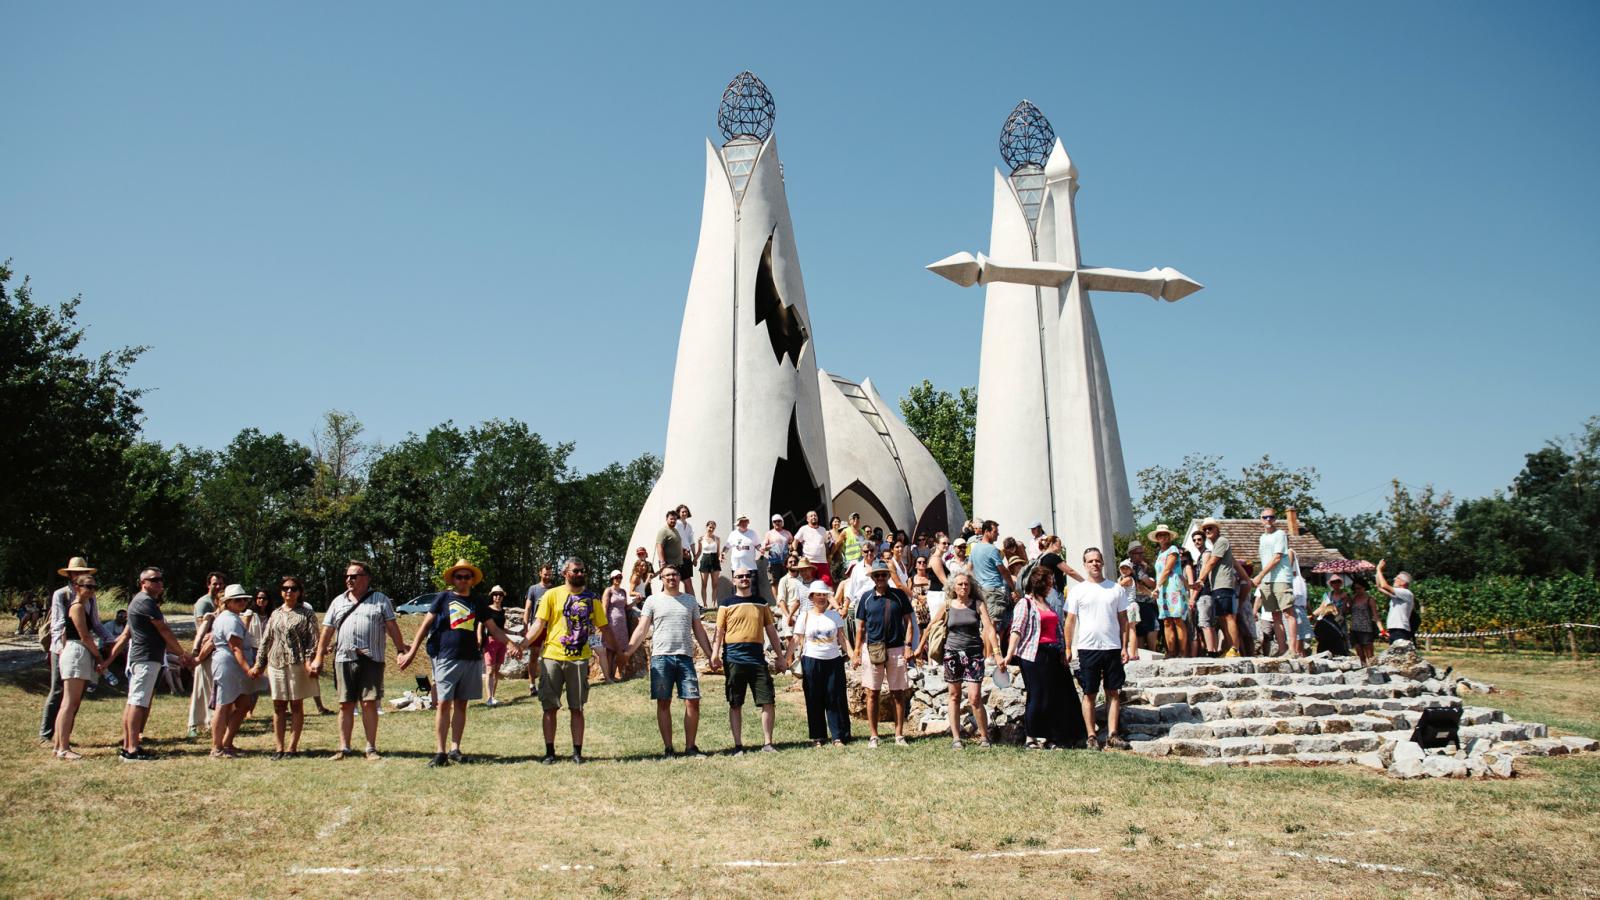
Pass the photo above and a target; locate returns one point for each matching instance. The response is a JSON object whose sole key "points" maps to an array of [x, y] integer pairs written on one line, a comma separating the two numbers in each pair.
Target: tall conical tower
{"points": [[745, 429]]}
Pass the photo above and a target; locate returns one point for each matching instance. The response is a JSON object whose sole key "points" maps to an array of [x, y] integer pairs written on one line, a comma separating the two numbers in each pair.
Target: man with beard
{"points": [[568, 614]]}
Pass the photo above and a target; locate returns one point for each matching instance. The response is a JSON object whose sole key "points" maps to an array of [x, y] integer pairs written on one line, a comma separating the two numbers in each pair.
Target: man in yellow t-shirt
{"points": [[570, 620]]}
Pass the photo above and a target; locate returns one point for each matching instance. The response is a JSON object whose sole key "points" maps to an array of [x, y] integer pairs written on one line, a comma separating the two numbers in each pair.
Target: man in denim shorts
{"points": [[671, 620]]}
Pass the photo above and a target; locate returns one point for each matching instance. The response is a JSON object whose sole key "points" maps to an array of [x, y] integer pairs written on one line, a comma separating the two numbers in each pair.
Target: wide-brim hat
{"points": [[477, 573], [236, 592], [497, 589], [819, 587], [1162, 529], [801, 563], [76, 566], [1210, 522]]}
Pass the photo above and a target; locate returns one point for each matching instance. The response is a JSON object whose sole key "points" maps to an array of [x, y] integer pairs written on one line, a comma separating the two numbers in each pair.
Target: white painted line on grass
{"points": [[340, 819], [998, 854], [1370, 867], [370, 870]]}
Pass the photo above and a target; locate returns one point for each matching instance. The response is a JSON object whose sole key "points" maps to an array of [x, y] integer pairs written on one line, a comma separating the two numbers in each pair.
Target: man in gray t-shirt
{"points": [[673, 618], [547, 580], [1222, 570]]}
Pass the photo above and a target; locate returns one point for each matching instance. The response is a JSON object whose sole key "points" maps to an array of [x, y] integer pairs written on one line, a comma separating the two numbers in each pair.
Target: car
{"points": [[416, 606]]}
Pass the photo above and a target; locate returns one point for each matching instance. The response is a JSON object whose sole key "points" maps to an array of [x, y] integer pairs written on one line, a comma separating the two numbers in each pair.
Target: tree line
{"points": [[86, 481]]}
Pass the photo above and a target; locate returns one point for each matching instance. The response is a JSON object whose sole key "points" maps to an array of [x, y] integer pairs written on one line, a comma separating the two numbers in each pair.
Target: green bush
{"points": [[1495, 602]]}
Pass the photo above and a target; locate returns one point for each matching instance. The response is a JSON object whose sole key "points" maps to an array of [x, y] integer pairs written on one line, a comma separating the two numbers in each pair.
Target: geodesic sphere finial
{"points": [[747, 109], [1026, 138]]}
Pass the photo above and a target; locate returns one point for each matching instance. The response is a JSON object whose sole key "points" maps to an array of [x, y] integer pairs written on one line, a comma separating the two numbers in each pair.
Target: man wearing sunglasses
{"points": [[743, 620], [356, 624], [1276, 582], [148, 641]]}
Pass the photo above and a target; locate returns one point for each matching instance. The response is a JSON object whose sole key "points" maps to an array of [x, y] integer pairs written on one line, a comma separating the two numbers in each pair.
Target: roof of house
{"points": [[1245, 536]]}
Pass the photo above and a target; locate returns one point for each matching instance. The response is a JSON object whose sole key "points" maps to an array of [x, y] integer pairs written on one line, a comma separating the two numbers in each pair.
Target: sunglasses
{"points": [[460, 576], [288, 589], [157, 580], [742, 577], [1269, 518], [352, 576]]}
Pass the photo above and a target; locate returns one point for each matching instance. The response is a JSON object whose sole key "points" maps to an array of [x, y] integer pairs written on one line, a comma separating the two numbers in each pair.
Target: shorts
{"points": [[558, 677], [1401, 634], [458, 679], [1100, 666], [1205, 614], [963, 665], [892, 674], [742, 675], [1276, 596], [1222, 601], [74, 661], [142, 678], [358, 680], [494, 653], [999, 609], [670, 671], [1148, 619], [291, 683], [709, 563], [685, 571], [1362, 637]]}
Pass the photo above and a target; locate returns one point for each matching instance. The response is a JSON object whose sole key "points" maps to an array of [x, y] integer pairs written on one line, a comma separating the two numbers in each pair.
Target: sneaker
{"points": [[277, 755], [694, 752], [1118, 742], [955, 744], [438, 760], [194, 733], [900, 741], [456, 756], [736, 751], [768, 748], [1231, 654], [549, 759], [872, 742], [667, 753], [143, 755], [577, 759], [984, 744], [124, 755]]}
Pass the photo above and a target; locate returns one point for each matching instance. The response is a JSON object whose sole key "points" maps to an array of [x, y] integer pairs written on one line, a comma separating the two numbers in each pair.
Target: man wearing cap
{"points": [[568, 615], [1035, 532], [776, 547], [671, 620], [206, 607], [813, 541], [60, 602], [148, 641], [356, 624], [547, 580], [450, 628], [884, 617], [743, 549], [994, 577], [743, 620], [1277, 583], [1222, 573]]}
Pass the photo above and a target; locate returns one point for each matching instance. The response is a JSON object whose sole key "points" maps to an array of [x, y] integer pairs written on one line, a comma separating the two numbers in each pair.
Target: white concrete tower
{"points": [[745, 428], [1047, 442]]}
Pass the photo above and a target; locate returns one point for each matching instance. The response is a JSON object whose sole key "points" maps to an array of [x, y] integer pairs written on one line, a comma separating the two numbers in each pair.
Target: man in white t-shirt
{"points": [[1097, 625], [673, 618], [1277, 582], [776, 548], [1401, 603], [744, 546], [813, 542]]}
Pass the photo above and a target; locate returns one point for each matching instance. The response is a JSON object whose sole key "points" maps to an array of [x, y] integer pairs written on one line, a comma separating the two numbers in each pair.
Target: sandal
{"points": [[955, 744], [68, 755]]}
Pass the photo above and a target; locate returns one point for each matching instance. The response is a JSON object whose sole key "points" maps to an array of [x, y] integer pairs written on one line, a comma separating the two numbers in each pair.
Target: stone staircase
{"points": [[1320, 711]]}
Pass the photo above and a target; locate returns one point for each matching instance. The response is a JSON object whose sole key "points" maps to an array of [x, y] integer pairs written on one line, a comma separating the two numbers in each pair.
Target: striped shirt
{"points": [[361, 632]]}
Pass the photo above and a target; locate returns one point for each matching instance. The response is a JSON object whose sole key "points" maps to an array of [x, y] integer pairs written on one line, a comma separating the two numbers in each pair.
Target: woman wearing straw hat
{"points": [[494, 651], [55, 616], [615, 597], [1173, 575], [233, 657], [288, 644], [79, 663], [819, 636]]}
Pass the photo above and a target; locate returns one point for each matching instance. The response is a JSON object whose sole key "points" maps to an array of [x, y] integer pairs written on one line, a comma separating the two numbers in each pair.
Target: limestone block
{"points": [[1406, 768], [1279, 744], [936, 687], [1444, 767], [1164, 697], [1408, 750], [1578, 743], [1240, 746], [1476, 767], [1151, 748], [1177, 712], [1479, 715], [1318, 743], [1537, 729], [1358, 741], [1191, 730], [1140, 715], [1202, 695], [1298, 725], [1500, 765], [1195, 748], [1233, 727], [1372, 760], [1210, 711], [1319, 708], [1551, 746]]}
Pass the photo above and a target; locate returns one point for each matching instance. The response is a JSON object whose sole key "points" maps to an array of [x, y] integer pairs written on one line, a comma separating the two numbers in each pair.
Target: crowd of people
{"points": [[816, 602]]}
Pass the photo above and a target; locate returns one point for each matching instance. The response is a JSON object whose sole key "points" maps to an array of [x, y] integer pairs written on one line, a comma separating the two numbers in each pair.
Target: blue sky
{"points": [[418, 213]]}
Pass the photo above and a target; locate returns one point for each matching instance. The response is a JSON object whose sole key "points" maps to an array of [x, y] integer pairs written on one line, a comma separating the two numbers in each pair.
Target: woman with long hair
{"points": [[970, 639], [1363, 620], [288, 648], [1053, 717], [639, 575], [1173, 575], [79, 663], [709, 551], [232, 659]]}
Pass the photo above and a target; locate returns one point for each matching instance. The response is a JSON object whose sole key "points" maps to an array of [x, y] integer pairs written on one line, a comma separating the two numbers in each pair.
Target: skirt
{"points": [[75, 662], [292, 683], [229, 681]]}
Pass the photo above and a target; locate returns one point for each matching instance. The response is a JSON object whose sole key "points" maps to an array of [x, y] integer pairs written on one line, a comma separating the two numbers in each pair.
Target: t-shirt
{"points": [[821, 632], [1222, 575], [226, 626], [671, 545], [1273, 543], [1051, 562], [870, 612], [361, 630], [205, 606], [145, 643], [742, 549], [1400, 605], [1096, 606], [562, 618], [455, 625], [535, 592], [671, 618], [1032, 546], [813, 543], [986, 564], [778, 544], [743, 622]]}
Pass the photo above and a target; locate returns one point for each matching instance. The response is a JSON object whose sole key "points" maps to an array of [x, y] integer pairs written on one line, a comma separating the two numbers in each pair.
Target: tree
{"points": [[70, 420], [452, 547], [1194, 489], [328, 515], [1265, 483], [945, 424], [249, 504], [1355, 536], [1415, 534]]}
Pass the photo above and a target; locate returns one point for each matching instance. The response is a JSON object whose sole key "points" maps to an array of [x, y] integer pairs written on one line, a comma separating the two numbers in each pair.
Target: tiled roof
{"points": [[1245, 536]]}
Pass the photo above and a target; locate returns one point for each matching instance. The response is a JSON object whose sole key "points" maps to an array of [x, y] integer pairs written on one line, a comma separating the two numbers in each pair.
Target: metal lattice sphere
{"points": [[747, 109], [1026, 138]]}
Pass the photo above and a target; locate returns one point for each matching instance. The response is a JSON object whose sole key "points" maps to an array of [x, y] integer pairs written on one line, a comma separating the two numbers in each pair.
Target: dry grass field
{"points": [[917, 821]]}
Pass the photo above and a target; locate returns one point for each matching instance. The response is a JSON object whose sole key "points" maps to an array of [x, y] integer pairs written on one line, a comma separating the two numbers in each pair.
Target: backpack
{"points": [[578, 612]]}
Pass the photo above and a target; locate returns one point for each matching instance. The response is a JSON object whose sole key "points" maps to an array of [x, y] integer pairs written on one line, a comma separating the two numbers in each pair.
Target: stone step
{"points": [[1267, 745], [1139, 695]]}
